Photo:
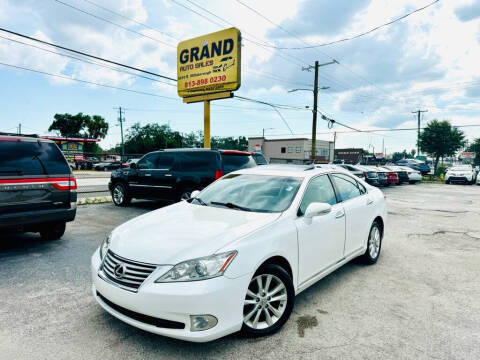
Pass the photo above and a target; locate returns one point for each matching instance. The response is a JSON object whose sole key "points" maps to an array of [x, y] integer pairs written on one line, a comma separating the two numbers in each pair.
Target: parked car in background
{"points": [[173, 174], [259, 158], [354, 170], [460, 173], [414, 176], [370, 175], [234, 256], [381, 174], [415, 165], [392, 176], [478, 179], [38, 192], [127, 163], [402, 174], [108, 166]]}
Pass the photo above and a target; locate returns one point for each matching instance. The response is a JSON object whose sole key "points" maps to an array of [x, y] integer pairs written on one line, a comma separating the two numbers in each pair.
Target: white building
{"points": [[292, 150]]}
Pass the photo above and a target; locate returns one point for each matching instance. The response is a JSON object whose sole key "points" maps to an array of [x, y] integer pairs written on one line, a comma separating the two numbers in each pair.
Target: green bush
{"points": [[441, 170]]}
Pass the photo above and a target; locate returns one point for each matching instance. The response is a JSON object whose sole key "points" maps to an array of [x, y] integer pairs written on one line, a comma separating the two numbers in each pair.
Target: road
{"points": [[92, 183], [420, 301]]}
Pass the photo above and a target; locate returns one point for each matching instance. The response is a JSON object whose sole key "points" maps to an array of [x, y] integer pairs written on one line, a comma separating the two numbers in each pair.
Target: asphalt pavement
{"points": [[420, 301]]}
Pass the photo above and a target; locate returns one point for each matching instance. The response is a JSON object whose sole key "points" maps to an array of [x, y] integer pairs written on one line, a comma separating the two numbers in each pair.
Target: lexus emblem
{"points": [[119, 270]]}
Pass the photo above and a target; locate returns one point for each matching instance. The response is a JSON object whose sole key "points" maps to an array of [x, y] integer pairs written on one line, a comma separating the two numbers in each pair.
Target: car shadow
{"points": [[12, 243]]}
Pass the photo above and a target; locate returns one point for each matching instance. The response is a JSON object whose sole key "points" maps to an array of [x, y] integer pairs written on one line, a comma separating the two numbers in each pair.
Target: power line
{"points": [[87, 81], [113, 23], [87, 55], [343, 39], [88, 62], [132, 20]]}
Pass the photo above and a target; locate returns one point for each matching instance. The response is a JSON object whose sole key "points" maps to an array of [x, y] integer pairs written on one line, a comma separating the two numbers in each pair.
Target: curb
{"points": [[94, 200]]}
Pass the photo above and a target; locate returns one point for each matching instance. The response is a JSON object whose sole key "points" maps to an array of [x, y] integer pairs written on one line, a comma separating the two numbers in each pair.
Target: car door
{"points": [[162, 180], [358, 211], [140, 181], [321, 239]]}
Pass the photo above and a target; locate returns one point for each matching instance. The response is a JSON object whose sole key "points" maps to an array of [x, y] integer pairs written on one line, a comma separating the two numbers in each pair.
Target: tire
{"points": [[447, 182], [411, 182], [374, 245], [257, 306], [120, 195], [53, 231]]}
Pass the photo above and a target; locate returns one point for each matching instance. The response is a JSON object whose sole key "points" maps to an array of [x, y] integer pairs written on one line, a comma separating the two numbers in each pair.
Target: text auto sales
{"points": [[220, 48]]}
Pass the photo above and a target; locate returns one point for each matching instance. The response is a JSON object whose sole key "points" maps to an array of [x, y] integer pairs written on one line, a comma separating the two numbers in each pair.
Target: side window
{"points": [[165, 161], [319, 189], [149, 161], [198, 161], [347, 186]]}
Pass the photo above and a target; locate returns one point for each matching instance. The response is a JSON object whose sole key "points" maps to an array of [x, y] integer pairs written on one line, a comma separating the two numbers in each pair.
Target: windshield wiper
{"points": [[230, 205], [41, 163], [200, 201]]}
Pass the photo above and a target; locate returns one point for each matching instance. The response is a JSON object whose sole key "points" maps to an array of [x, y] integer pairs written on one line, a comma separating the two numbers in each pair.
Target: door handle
{"points": [[168, 174], [148, 174], [369, 201], [340, 214]]}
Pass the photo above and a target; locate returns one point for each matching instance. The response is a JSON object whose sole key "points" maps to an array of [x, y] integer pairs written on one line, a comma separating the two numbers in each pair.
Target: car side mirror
{"points": [[194, 193], [317, 209], [133, 166]]}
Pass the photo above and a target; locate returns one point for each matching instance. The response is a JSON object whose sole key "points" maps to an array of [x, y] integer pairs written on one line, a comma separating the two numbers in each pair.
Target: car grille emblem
{"points": [[119, 270]]}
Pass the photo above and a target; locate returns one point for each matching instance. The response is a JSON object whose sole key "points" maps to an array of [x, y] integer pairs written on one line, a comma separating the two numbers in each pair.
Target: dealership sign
{"points": [[209, 64], [467, 155]]}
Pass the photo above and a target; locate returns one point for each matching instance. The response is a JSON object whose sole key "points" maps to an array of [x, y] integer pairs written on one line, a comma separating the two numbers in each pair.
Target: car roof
{"points": [[23, 138]]}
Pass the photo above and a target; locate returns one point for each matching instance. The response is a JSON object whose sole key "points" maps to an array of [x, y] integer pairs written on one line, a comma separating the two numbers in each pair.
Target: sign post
{"points": [[208, 68]]}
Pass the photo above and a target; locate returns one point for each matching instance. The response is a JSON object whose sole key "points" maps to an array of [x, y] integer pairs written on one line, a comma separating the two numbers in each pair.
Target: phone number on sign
{"points": [[205, 81]]}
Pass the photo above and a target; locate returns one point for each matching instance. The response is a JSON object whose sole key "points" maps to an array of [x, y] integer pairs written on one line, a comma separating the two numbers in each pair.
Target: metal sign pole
{"points": [[206, 124]]}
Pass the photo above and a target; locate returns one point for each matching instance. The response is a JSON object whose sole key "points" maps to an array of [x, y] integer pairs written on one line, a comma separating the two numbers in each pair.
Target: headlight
{"points": [[199, 269], [105, 245]]}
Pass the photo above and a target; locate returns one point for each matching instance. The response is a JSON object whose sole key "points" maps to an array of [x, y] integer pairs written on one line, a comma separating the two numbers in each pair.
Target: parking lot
{"points": [[420, 301]]}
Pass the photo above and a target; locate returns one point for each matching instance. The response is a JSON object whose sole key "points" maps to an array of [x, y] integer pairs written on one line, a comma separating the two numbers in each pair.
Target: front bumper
{"points": [[373, 182], [463, 179], [221, 297]]}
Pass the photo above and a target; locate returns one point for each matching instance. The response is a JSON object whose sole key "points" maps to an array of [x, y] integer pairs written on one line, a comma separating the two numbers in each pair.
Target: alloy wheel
{"points": [[118, 195], [265, 302], [374, 242]]}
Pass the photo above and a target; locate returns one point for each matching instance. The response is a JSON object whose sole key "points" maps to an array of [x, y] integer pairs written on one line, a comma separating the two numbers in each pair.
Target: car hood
{"points": [[184, 231]]}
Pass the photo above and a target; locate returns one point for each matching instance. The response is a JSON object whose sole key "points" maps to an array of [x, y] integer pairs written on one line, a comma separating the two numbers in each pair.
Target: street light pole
{"points": [[263, 132]]}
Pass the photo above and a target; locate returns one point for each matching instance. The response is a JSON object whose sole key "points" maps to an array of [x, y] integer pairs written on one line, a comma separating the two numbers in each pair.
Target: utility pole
{"points": [[419, 112], [121, 120], [315, 98], [334, 141], [19, 129]]}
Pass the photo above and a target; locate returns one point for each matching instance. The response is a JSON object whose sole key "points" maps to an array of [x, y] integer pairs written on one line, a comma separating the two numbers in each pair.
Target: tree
{"points": [[69, 125], [475, 147], [413, 152], [96, 126], [440, 139]]}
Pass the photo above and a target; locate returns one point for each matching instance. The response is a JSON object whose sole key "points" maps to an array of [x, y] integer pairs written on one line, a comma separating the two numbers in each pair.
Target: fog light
{"points": [[202, 322]]}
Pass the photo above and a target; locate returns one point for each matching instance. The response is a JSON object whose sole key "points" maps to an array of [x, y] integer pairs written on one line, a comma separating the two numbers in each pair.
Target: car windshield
{"points": [[249, 192]]}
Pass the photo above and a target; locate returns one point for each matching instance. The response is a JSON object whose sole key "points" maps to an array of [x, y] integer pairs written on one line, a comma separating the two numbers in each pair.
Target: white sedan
{"points": [[234, 256]]}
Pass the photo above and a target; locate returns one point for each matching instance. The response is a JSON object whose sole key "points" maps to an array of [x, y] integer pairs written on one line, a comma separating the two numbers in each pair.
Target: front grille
{"points": [[133, 275], [169, 324]]}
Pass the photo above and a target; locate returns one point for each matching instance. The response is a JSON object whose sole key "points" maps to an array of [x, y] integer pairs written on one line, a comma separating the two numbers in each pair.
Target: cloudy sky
{"points": [[427, 61]]}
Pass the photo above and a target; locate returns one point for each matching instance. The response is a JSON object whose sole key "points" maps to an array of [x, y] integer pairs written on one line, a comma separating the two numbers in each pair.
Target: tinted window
{"points": [[259, 159], [347, 186], [149, 161], [31, 158], [198, 161], [165, 161], [320, 190], [232, 162]]}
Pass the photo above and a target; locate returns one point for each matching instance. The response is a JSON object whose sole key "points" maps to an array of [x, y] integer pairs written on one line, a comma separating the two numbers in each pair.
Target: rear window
{"points": [[31, 158], [233, 162], [192, 161], [260, 159]]}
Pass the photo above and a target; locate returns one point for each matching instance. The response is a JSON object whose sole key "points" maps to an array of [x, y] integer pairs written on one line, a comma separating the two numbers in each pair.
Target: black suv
{"points": [[38, 192], [173, 174]]}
